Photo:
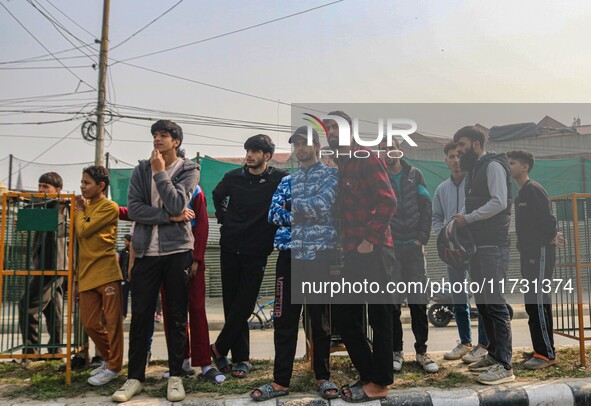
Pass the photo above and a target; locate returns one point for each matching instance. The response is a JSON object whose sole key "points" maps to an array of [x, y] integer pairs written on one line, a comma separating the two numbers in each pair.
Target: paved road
{"points": [[440, 340]]}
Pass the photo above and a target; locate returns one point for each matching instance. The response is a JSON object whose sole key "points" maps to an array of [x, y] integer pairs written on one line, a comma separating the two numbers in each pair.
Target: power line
{"points": [[39, 112], [38, 57], [49, 59], [180, 118], [44, 47], [203, 83], [234, 31], [46, 67], [41, 122], [58, 25], [146, 26], [117, 160], [68, 17], [48, 109], [187, 133], [204, 119], [52, 164], [225, 89], [530, 148], [230, 123], [47, 149], [40, 97], [147, 141]]}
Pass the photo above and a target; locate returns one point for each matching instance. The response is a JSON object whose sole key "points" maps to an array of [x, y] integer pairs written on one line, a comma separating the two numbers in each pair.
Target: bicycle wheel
{"points": [[255, 322]]}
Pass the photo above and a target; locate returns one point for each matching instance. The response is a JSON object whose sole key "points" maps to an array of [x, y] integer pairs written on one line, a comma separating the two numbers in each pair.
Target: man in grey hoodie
{"points": [[159, 191], [448, 201]]}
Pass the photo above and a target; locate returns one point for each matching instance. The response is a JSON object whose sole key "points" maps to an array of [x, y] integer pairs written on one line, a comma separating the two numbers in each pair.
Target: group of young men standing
{"points": [[384, 216], [373, 213]]}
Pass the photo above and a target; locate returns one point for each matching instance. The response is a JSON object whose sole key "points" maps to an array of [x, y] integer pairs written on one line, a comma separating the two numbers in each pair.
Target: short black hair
{"points": [[524, 157], [471, 132], [53, 179], [175, 131], [260, 142], [449, 146], [342, 114], [98, 174]]}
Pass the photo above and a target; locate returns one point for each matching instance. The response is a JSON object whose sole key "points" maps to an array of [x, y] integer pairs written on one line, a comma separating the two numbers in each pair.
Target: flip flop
{"points": [[358, 395], [211, 375], [241, 367], [222, 363], [267, 392], [326, 386]]}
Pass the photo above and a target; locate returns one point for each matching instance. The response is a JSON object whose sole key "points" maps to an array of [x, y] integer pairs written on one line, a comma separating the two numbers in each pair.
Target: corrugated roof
{"points": [[549, 122]]}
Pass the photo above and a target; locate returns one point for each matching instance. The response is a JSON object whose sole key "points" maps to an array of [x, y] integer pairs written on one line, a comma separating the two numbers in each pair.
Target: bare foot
{"points": [[374, 390]]}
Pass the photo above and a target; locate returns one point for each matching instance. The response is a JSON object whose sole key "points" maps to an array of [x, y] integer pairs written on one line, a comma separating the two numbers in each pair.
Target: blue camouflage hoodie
{"points": [[306, 221]]}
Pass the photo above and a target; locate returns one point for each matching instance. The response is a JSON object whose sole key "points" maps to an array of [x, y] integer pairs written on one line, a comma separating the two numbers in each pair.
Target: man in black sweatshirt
{"points": [[246, 242], [536, 233]]}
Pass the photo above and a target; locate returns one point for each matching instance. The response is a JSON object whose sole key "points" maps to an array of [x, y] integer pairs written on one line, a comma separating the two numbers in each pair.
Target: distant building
{"points": [[548, 139]]}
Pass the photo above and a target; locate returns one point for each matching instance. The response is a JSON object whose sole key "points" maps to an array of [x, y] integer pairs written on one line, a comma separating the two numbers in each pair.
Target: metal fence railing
{"points": [[571, 303], [36, 275]]}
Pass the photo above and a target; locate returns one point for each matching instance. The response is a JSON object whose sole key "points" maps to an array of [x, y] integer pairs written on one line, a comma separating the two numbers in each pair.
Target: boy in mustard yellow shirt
{"points": [[98, 279]]}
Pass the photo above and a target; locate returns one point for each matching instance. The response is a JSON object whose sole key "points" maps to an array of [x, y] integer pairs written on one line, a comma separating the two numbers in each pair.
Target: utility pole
{"points": [[102, 87], [107, 163], [10, 172]]}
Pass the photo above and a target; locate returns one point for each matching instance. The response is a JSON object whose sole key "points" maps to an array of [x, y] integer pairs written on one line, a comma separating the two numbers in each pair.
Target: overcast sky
{"points": [[353, 51]]}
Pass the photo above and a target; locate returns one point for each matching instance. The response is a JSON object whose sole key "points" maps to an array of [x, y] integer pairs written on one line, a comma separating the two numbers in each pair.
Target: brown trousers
{"points": [[103, 305]]}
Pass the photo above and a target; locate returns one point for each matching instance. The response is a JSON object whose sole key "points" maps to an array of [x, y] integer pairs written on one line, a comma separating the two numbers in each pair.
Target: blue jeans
{"points": [[491, 263], [462, 310]]}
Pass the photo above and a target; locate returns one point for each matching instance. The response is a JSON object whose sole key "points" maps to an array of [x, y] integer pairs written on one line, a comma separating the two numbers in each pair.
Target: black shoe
{"points": [[96, 361], [77, 364]]}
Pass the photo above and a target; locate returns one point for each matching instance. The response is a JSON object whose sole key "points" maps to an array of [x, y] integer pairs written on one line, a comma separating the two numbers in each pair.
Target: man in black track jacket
{"points": [[411, 228], [246, 242], [536, 232]]}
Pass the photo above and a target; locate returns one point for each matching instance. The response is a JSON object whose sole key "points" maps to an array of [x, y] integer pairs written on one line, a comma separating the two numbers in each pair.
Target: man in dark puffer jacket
{"points": [[411, 227]]}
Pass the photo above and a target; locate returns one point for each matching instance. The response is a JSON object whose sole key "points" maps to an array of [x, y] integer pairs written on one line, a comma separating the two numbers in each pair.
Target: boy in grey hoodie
{"points": [[159, 192], [448, 201]]}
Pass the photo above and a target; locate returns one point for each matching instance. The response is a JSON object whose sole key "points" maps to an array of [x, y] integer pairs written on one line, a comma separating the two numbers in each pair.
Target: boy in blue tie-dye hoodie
{"points": [[302, 206]]}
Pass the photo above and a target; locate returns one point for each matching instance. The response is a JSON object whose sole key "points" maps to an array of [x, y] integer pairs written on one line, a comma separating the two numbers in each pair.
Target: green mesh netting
{"points": [[558, 176]]}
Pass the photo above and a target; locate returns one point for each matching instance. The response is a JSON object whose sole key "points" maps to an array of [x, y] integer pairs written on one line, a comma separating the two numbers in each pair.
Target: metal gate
{"points": [[36, 267], [571, 300]]}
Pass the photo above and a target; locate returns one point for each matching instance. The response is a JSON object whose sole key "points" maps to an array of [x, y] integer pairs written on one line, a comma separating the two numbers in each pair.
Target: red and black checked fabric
{"points": [[366, 201]]}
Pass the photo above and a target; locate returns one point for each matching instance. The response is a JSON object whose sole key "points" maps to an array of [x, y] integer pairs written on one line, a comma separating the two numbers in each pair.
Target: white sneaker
{"points": [[427, 363], [398, 360], [130, 388], [475, 355], [103, 378], [99, 370], [175, 391], [458, 352]]}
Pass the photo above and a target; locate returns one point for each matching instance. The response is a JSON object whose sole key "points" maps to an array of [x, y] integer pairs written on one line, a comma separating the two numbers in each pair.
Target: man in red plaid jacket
{"points": [[366, 203]]}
